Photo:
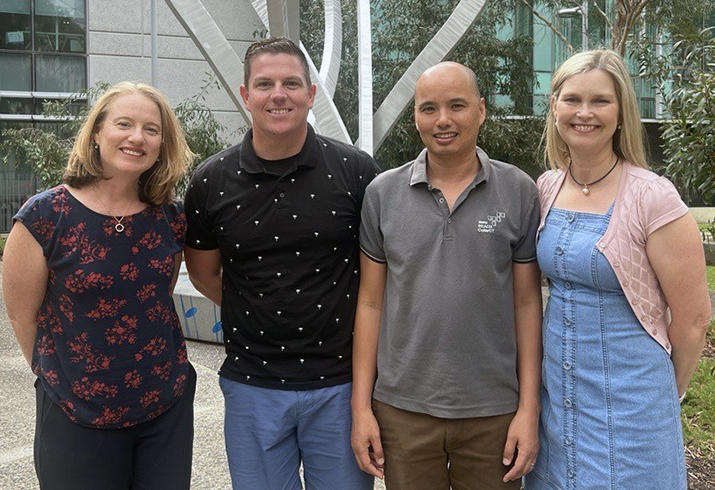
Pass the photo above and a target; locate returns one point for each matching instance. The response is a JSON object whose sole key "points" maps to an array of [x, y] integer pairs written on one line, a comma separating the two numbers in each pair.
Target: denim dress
{"points": [[610, 415]]}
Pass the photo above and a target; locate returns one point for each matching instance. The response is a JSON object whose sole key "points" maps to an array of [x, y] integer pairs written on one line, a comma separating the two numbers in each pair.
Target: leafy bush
{"points": [[47, 152], [690, 134]]}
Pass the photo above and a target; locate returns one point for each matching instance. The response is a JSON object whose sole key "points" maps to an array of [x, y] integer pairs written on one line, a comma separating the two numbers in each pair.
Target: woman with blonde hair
{"points": [[88, 274], [628, 308]]}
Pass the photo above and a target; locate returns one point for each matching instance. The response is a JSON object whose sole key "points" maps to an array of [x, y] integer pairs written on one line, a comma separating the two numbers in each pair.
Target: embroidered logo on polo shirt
{"points": [[490, 224]]}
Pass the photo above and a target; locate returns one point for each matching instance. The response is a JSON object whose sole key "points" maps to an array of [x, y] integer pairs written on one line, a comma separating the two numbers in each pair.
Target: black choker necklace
{"points": [[585, 185]]}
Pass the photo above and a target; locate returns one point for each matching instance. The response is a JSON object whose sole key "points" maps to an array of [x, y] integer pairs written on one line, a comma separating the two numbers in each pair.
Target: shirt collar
{"points": [[250, 162], [419, 168]]}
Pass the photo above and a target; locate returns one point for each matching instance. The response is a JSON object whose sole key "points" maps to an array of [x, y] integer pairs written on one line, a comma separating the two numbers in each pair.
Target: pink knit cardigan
{"points": [[644, 203]]}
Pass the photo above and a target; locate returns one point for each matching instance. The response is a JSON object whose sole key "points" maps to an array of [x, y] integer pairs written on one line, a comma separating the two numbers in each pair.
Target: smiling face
{"points": [[278, 97], [448, 111], [129, 137], [587, 111]]}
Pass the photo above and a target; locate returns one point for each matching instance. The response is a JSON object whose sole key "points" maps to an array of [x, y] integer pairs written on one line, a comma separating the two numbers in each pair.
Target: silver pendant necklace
{"points": [[118, 226]]}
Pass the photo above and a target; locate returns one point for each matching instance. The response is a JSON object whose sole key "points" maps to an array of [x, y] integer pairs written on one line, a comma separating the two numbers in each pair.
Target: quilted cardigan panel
{"points": [[644, 203]]}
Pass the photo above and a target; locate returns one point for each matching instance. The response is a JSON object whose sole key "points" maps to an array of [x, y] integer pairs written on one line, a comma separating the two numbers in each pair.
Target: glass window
{"points": [[15, 24], [16, 106], [16, 73], [60, 73], [60, 26]]}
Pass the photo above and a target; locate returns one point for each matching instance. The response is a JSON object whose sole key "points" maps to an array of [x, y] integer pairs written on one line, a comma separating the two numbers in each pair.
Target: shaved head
{"points": [[450, 66]]}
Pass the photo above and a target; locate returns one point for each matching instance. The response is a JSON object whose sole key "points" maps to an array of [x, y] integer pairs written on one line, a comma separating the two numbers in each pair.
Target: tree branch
{"points": [[603, 14], [549, 24]]}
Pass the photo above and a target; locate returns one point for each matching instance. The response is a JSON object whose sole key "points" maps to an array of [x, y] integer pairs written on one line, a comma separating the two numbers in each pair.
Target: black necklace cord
{"points": [[585, 185]]}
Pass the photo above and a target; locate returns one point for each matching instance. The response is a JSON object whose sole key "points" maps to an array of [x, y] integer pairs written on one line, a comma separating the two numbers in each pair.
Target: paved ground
{"points": [[17, 416]]}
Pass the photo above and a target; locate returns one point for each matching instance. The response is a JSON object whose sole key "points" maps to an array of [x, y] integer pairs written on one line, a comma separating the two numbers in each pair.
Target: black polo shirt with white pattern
{"points": [[290, 255]]}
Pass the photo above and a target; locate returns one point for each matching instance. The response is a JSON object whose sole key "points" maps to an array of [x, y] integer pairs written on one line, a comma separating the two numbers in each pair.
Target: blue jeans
{"points": [[269, 432]]}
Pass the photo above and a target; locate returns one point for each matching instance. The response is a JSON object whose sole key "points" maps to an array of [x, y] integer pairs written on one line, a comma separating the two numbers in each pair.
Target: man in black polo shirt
{"points": [[273, 225]]}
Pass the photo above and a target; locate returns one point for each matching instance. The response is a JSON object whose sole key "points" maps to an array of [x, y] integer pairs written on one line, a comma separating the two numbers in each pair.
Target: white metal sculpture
{"points": [[281, 18]]}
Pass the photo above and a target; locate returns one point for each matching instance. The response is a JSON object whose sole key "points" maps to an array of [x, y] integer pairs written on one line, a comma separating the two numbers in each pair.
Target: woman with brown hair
{"points": [[89, 270]]}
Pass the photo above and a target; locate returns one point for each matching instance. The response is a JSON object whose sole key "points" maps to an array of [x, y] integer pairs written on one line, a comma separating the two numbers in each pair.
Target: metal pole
{"points": [[584, 26], [154, 56]]}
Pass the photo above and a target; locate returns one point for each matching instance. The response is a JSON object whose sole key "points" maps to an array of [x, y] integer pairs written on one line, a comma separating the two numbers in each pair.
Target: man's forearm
{"points": [[528, 339], [367, 334], [209, 286]]}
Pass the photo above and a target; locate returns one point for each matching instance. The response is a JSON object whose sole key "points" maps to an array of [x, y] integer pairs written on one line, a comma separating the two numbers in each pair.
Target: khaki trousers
{"points": [[429, 453]]}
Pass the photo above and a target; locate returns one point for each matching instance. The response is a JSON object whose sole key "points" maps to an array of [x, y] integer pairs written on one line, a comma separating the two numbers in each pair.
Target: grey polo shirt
{"points": [[447, 342]]}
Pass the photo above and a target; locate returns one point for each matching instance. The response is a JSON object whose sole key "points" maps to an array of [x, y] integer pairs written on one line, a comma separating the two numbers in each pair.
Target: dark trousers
{"points": [[154, 455]]}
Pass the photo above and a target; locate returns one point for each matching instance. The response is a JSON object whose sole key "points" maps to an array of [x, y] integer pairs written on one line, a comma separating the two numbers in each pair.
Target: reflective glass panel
{"points": [[15, 23], [16, 72], [16, 106], [60, 73], [60, 26]]}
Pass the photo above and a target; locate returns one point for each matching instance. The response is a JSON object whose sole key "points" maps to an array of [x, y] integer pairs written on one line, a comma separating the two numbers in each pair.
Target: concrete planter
{"points": [[709, 253]]}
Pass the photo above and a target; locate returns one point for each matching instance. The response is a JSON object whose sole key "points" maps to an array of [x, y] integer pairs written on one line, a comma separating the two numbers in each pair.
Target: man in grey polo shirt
{"points": [[447, 346]]}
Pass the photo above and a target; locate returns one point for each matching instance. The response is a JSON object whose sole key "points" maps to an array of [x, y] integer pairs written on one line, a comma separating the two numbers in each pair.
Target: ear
{"points": [[244, 95], [552, 102], [482, 111], [311, 96]]}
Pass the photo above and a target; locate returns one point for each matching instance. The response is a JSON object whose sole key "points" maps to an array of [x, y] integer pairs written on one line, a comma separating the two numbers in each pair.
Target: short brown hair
{"points": [[156, 185], [274, 45]]}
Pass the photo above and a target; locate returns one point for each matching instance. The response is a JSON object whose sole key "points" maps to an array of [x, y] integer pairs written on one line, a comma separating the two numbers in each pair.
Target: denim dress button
{"points": [[570, 473], [559, 251], [567, 285], [567, 440], [570, 218], [567, 321], [568, 403], [567, 365]]}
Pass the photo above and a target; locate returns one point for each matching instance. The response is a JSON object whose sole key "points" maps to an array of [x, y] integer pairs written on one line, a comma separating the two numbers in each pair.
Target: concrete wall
{"points": [[119, 47]]}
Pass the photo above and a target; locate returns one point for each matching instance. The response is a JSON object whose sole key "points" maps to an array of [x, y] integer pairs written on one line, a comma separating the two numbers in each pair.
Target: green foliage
{"points": [[47, 151], [401, 29], [690, 133], [698, 409], [204, 134], [711, 277]]}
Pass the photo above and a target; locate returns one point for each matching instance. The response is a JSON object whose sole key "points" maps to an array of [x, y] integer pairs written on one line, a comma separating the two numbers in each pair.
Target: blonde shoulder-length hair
{"points": [[628, 140], [156, 185]]}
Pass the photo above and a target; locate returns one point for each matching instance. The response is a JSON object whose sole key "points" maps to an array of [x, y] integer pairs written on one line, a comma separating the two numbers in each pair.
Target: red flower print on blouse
{"points": [[129, 272], [66, 306], [79, 282], [60, 203], [107, 309], [47, 319], [149, 241], [165, 266], [150, 397], [76, 241], [124, 330], [132, 379], [109, 226], [179, 385], [86, 389], [159, 312], [181, 356], [156, 346], [147, 291], [178, 226], [50, 376], [44, 228], [110, 417], [69, 409], [162, 371], [46, 345], [94, 360]]}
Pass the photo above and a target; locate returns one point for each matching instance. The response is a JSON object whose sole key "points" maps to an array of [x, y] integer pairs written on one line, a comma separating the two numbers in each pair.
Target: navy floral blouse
{"points": [[109, 348]]}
